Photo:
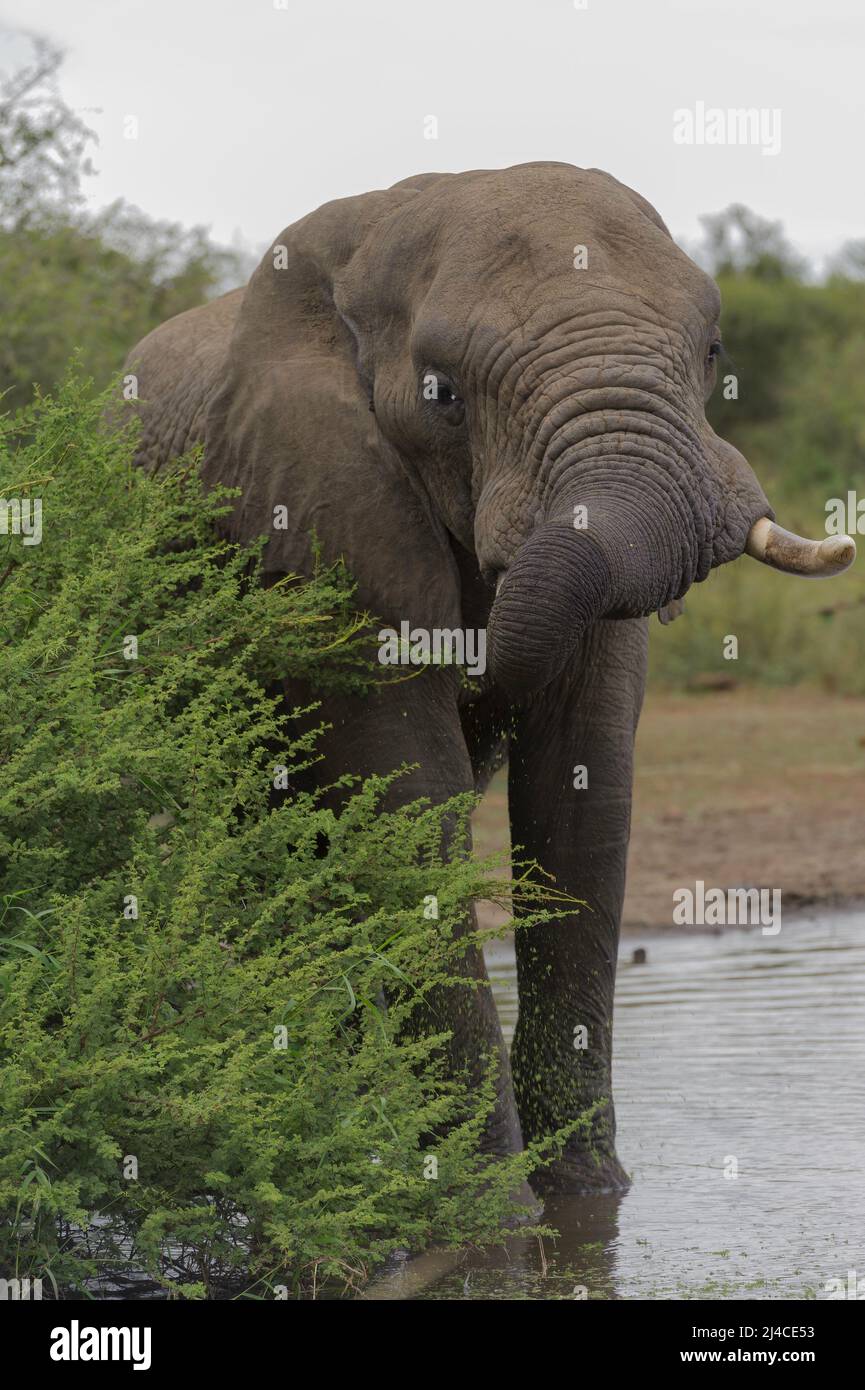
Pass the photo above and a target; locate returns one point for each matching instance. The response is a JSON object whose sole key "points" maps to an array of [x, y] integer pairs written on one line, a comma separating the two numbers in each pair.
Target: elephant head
{"points": [[529, 353]]}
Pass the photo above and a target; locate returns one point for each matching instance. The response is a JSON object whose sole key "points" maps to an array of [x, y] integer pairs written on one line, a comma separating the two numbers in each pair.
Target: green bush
{"points": [[208, 1077]]}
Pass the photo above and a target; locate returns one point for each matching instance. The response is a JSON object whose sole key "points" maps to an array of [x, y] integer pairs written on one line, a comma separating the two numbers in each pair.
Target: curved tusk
{"points": [[794, 555]]}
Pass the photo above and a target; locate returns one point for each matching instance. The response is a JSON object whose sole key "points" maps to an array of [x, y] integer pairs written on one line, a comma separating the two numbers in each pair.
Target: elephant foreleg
{"points": [[570, 777]]}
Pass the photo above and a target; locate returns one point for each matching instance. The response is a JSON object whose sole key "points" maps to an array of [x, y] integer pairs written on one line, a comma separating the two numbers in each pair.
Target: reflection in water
{"points": [[735, 1051]]}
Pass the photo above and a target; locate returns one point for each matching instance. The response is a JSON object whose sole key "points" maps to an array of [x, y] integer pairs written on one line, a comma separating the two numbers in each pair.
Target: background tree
{"points": [[849, 262], [739, 242], [71, 280], [43, 144]]}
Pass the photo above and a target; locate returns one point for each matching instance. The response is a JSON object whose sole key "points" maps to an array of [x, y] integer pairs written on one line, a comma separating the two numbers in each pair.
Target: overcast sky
{"points": [[253, 112]]}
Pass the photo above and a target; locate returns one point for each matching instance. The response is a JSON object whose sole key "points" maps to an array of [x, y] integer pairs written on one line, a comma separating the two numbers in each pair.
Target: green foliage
{"points": [[251, 1037]]}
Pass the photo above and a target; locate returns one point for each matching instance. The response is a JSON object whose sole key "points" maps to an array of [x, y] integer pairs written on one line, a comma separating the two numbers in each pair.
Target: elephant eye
{"points": [[440, 391], [714, 352], [447, 396]]}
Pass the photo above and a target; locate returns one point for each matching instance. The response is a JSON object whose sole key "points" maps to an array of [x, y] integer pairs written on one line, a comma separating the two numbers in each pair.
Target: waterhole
{"points": [[739, 1079]]}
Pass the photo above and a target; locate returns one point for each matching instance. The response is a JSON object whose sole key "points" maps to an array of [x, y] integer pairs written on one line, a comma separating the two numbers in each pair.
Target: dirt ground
{"points": [[743, 788]]}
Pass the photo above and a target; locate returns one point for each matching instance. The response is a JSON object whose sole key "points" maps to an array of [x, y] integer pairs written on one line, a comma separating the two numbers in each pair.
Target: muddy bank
{"points": [[742, 788]]}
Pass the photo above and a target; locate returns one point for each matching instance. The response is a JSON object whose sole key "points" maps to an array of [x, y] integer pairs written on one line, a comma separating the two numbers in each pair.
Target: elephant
{"points": [[485, 392]]}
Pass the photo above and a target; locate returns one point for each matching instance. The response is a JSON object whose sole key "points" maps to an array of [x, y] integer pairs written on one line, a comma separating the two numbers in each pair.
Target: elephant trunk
{"points": [[629, 559], [557, 586]]}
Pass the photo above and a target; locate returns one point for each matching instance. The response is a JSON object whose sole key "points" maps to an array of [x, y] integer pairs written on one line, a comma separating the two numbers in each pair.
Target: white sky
{"points": [[251, 116]]}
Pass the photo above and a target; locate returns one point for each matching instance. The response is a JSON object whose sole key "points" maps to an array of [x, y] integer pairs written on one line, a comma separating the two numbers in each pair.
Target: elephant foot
{"points": [[581, 1173]]}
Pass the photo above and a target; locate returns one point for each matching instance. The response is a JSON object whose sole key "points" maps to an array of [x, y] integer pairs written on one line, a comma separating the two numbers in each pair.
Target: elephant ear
{"points": [[292, 427]]}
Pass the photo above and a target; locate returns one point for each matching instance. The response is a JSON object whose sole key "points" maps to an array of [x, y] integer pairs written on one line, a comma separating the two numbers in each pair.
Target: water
{"points": [[735, 1047]]}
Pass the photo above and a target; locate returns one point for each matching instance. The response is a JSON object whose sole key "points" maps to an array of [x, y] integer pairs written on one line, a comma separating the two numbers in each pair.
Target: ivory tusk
{"points": [[794, 554]]}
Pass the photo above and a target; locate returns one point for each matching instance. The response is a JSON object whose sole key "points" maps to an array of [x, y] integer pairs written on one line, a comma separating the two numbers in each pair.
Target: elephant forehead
{"points": [[525, 208], [509, 238]]}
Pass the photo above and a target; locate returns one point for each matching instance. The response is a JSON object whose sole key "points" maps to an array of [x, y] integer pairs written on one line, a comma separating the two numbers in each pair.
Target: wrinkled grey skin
{"points": [[577, 387]]}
